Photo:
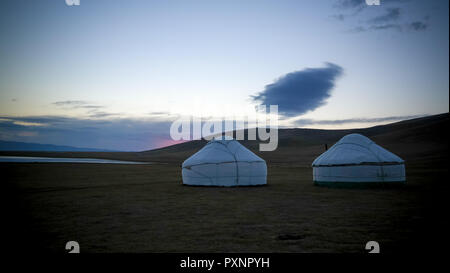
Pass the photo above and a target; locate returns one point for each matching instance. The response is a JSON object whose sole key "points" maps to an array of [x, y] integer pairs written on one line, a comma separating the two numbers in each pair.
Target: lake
{"points": [[25, 159]]}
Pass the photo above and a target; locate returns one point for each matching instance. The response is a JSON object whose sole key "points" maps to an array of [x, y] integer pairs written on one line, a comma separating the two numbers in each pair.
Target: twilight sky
{"points": [[114, 74]]}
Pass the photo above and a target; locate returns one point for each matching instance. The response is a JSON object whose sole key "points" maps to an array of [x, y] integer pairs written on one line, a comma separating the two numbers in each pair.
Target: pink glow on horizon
{"points": [[161, 143]]}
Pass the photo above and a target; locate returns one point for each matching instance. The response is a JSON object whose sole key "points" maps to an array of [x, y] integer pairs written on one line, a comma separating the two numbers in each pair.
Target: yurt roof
{"points": [[221, 151], [356, 149]]}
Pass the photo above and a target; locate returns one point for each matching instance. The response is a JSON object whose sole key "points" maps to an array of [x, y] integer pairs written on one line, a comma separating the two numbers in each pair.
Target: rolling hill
{"points": [[415, 139], [410, 139]]}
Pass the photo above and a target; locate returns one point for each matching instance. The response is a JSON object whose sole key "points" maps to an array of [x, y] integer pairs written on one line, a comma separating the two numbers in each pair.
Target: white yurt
{"points": [[224, 162], [356, 159]]}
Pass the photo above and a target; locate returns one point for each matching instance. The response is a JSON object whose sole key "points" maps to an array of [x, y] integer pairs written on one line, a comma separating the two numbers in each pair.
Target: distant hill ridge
{"points": [[27, 146], [413, 140]]}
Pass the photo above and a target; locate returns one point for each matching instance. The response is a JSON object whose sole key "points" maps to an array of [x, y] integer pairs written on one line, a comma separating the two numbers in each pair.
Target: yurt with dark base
{"points": [[357, 160], [226, 163]]}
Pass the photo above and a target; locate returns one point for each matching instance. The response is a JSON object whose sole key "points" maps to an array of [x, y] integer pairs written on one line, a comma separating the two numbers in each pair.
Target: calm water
{"points": [[64, 160]]}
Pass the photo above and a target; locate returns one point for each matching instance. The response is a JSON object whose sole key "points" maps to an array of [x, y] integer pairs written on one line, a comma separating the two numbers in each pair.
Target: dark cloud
{"points": [[361, 4], [305, 122], [389, 18], [386, 26], [391, 14], [77, 104], [70, 103], [358, 29], [340, 17], [90, 106], [301, 91], [161, 113], [92, 111], [418, 26], [38, 119], [414, 26], [101, 114]]}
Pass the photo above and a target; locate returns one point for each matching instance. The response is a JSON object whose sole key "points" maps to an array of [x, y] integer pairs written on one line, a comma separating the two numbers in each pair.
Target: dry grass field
{"points": [[145, 208]]}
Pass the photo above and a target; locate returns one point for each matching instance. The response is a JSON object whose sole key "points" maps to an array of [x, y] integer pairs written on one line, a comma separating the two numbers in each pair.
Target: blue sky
{"points": [[114, 74]]}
